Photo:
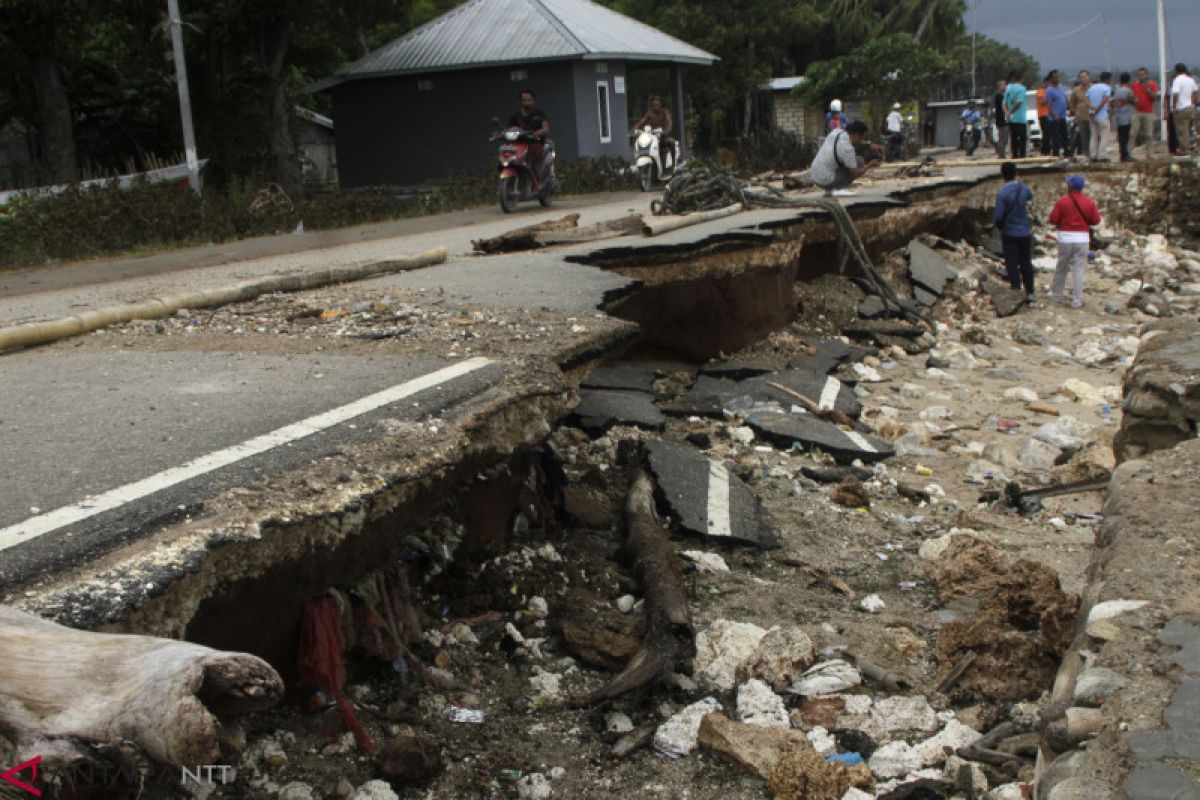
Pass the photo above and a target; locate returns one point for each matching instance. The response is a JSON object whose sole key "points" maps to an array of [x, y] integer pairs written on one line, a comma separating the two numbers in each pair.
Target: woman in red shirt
{"points": [[1074, 215]]}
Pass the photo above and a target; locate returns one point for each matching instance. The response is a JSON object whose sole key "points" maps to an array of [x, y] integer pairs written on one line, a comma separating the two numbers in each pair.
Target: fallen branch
{"points": [[669, 638], [62, 688], [41, 332], [959, 670], [655, 226], [524, 238], [892, 681], [828, 414]]}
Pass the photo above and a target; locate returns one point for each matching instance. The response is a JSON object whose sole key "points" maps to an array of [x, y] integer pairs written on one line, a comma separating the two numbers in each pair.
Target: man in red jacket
{"points": [[1074, 215]]}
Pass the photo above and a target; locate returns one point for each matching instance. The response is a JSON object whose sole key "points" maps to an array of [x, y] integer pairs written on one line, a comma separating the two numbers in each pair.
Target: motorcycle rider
{"points": [[833, 117], [970, 116], [894, 127], [658, 118], [534, 122], [895, 120]]}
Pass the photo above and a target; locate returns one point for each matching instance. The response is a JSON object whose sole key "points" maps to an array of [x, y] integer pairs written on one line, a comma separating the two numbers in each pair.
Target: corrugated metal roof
{"points": [[783, 84], [493, 32]]}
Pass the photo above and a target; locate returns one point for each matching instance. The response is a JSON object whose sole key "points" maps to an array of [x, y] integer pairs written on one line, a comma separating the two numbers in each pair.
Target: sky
{"points": [[1047, 30]]}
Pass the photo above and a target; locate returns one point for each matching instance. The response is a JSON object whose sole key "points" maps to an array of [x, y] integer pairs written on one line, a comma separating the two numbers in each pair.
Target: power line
{"points": [[1020, 35]]}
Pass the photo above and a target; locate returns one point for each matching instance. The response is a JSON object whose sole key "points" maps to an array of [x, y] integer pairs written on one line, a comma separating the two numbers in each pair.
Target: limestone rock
{"points": [[780, 658], [1096, 685], [375, 790], [678, 735], [933, 750], [900, 713], [758, 705], [1037, 456], [534, 786], [721, 649], [894, 760]]}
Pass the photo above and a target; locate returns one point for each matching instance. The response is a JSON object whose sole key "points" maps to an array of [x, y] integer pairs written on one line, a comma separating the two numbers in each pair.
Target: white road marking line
{"points": [[718, 500], [858, 439], [829, 393], [77, 512]]}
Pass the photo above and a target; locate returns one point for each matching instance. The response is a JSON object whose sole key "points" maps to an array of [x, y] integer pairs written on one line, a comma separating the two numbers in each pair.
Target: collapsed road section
{"points": [[783, 545]]}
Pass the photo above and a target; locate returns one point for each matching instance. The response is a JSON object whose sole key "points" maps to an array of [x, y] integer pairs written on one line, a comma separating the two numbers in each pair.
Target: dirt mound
{"points": [[1023, 624]]}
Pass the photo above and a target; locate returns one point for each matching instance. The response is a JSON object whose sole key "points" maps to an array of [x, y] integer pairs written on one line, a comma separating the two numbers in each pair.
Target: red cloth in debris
{"points": [[321, 660]]}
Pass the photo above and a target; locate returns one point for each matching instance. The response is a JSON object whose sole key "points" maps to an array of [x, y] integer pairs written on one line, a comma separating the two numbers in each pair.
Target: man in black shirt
{"points": [[1001, 120], [534, 122]]}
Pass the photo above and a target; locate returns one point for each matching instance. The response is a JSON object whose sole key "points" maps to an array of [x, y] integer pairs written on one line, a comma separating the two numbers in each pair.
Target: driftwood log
{"points": [[524, 238], [62, 689], [669, 639]]}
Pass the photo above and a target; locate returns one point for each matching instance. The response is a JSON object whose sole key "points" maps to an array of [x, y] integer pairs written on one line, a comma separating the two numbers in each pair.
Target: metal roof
{"points": [[783, 84], [483, 33]]}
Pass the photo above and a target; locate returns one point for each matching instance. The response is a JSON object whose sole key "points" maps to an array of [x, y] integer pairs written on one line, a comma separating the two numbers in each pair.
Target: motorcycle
{"points": [[516, 169], [969, 138], [651, 162], [895, 145]]}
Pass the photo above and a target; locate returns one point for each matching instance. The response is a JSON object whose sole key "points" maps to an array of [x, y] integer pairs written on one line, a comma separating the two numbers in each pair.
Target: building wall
{"points": [[793, 116], [392, 131], [587, 75]]}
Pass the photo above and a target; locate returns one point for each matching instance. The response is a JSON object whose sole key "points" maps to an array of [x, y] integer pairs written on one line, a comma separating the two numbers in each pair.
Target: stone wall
{"points": [[1161, 390], [794, 117]]}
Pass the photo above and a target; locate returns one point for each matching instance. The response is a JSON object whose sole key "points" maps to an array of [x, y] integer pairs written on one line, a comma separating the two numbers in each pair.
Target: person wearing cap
{"points": [[1016, 233], [1074, 215], [895, 120]]}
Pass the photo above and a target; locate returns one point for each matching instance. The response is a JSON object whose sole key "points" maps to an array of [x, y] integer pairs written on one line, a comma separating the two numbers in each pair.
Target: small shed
{"points": [[947, 120], [421, 106], [790, 113], [317, 146]]}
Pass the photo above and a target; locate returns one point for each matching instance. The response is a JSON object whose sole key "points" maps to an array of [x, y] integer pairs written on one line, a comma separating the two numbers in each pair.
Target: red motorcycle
{"points": [[518, 182]]}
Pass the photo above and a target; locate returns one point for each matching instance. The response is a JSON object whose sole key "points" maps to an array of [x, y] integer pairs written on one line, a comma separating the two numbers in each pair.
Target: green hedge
{"points": [[107, 220]]}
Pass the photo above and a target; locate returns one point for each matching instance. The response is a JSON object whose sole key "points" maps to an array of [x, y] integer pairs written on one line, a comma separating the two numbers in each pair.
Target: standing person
{"points": [[1043, 112], [1080, 111], [1012, 218], [1056, 102], [1145, 92], [1001, 120], [838, 163], [1183, 106], [1015, 99], [1074, 215], [1099, 95], [1122, 106]]}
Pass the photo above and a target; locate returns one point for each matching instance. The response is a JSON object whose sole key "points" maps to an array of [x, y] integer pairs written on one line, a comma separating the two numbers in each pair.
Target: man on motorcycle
{"points": [[970, 116], [657, 117], [534, 122]]}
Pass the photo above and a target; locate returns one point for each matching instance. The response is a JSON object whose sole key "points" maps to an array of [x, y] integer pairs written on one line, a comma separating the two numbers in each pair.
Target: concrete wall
{"points": [[391, 131], [587, 75], [792, 115]]}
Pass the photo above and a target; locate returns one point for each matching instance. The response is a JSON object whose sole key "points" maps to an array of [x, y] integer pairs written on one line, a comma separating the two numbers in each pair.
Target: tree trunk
{"points": [[926, 19], [62, 689], [56, 128], [274, 39]]}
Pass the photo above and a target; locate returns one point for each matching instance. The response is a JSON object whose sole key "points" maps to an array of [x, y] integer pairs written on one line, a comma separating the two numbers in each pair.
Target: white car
{"points": [[1031, 116]]}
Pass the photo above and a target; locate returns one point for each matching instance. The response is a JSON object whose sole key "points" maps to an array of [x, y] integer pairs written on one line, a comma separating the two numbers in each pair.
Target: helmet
{"points": [[896, 106], [836, 105]]}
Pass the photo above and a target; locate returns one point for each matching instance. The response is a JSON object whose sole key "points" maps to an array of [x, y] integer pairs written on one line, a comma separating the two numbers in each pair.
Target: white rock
{"points": [[1065, 433], [1112, 608], [857, 794], [866, 374], [937, 374], [557, 773], [539, 607], [706, 562], [781, 657], [904, 714], [912, 391], [822, 742], [1035, 456], [955, 735], [617, 722], [547, 685], [296, 791], [375, 790], [741, 435], [625, 603], [1001, 455], [721, 648], [827, 677], [935, 412], [1009, 791], [872, 604], [1096, 685], [980, 471], [894, 759], [1130, 287], [1022, 393], [678, 735], [857, 704], [534, 786], [1092, 353], [1081, 391], [758, 705]]}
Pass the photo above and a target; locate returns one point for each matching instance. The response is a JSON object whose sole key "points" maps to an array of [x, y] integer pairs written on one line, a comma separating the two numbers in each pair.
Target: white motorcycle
{"points": [[649, 160]]}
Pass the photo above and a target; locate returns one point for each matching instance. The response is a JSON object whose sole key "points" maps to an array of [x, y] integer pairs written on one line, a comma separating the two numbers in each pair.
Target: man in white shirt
{"points": [[1183, 100], [895, 120], [838, 163]]}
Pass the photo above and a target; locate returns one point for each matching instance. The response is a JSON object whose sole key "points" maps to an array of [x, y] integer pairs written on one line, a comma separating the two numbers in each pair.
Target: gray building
{"points": [[421, 107]]}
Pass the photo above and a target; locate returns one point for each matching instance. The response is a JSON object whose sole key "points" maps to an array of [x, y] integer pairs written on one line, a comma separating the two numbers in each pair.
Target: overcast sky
{"points": [[1044, 28]]}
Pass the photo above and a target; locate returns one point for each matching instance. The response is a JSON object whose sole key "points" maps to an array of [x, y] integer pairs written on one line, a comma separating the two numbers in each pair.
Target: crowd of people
{"points": [[1080, 122]]}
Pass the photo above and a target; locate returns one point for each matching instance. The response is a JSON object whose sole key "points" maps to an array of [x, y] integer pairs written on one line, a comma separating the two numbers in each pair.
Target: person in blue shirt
{"points": [[1016, 232], [1099, 95], [970, 116], [1015, 98], [1056, 101]]}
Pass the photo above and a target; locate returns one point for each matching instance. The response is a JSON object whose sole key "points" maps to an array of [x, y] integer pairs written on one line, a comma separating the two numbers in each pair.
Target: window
{"points": [[424, 86], [601, 68], [603, 110], [518, 75]]}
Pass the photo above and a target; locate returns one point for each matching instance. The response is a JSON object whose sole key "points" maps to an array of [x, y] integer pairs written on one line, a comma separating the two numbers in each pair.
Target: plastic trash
{"points": [[468, 715], [849, 759]]}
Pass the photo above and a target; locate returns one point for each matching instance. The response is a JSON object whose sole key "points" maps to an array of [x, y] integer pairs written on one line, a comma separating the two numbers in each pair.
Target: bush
{"points": [[773, 151], [105, 219]]}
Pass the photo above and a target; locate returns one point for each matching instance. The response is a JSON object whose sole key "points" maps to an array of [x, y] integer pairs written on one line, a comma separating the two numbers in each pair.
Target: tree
{"points": [[994, 61]]}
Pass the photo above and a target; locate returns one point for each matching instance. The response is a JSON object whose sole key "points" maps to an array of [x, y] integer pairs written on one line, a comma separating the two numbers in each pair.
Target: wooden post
{"points": [[185, 100], [680, 110]]}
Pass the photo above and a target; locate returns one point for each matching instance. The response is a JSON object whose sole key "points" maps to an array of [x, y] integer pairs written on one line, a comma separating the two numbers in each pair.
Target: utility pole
{"points": [[185, 100], [974, 31], [1164, 90]]}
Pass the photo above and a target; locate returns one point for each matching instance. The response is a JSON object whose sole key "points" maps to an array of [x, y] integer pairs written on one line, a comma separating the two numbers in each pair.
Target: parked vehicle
{"points": [[1035, 123], [515, 167], [651, 162], [968, 138], [895, 145]]}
